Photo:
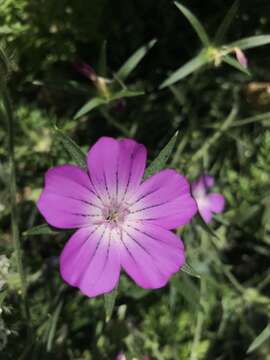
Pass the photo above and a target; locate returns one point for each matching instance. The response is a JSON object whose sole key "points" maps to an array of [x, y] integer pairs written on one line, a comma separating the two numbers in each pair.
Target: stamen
{"points": [[115, 213]]}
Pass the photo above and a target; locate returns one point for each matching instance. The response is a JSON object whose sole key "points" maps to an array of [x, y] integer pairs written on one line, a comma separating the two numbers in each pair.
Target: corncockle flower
{"points": [[4, 267], [122, 222], [207, 203], [121, 356], [241, 57]]}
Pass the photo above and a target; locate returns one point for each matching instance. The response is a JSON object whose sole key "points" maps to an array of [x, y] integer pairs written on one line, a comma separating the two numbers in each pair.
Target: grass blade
{"points": [[252, 119], [195, 23], [250, 42], [53, 327], [134, 60], [90, 105], [226, 23], [162, 158], [260, 339], [109, 300], [186, 69], [234, 63], [43, 229], [126, 93]]}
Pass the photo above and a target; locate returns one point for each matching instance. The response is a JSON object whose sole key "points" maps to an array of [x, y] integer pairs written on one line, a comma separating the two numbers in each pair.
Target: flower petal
{"points": [[150, 254], [205, 213], [216, 202], [132, 166], [68, 199], [116, 167], [200, 186], [164, 200], [90, 261]]}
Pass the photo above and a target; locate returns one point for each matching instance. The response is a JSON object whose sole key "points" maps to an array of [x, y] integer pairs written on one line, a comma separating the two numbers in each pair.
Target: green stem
{"points": [[205, 147], [13, 191], [199, 324], [115, 123]]}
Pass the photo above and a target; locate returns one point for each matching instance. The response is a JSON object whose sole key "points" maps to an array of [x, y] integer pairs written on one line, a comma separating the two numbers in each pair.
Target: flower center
{"points": [[115, 214]]}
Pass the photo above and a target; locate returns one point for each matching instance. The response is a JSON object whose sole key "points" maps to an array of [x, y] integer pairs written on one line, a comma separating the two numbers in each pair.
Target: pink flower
{"points": [[207, 203], [122, 222], [242, 59], [121, 356]]}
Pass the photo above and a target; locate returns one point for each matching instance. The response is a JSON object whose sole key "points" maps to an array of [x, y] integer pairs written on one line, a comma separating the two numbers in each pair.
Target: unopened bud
{"points": [[240, 56]]}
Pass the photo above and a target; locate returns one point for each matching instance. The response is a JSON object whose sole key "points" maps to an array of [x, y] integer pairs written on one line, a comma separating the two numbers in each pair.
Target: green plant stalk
{"points": [[205, 147], [115, 123], [13, 191], [199, 324]]}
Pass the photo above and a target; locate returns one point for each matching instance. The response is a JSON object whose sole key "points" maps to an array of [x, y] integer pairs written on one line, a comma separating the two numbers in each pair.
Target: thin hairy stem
{"points": [[13, 204]]}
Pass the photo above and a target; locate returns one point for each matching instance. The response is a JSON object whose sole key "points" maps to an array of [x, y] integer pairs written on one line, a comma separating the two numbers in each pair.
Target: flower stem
{"points": [[13, 191], [199, 324]]}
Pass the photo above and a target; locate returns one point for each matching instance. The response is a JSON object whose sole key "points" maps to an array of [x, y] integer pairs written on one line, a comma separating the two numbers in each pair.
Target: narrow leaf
{"points": [[186, 268], [109, 300], [53, 326], [134, 60], [250, 42], [191, 66], [252, 119], [195, 23], [226, 23], [90, 105], [43, 229], [160, 161], [72, 148], [126, 93], [260, 339], [234, 63]]}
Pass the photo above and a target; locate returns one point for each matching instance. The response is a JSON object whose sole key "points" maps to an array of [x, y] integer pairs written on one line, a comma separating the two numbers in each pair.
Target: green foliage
{"points": [[189, 68], [223, 131], [195, 23], [260, 339], [131, 63], [161, 160]]}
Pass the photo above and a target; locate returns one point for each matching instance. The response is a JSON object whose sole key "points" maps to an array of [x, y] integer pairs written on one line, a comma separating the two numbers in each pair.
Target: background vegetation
{"points": [[222, 114]]}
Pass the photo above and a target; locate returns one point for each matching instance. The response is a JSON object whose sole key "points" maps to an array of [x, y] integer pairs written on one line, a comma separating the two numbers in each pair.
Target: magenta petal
{"points": [[200, 186], [216, 202], [164, 200], [90, 261], [133, 160], [205, 213], [67, 200], [241, 57], [116, 167], [150, 254], [120, 356]]}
